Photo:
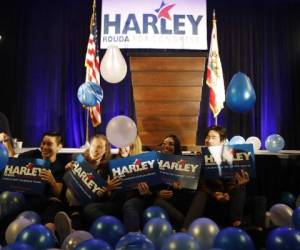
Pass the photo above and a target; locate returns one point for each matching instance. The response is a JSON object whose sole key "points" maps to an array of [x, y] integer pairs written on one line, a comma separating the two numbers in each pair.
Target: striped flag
{"points": [[92, 64], [214, 74]]}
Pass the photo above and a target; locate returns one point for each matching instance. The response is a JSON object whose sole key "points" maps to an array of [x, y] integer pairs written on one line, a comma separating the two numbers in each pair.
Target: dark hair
{"points": [[57, 135], [177, 145], [220, 130]]}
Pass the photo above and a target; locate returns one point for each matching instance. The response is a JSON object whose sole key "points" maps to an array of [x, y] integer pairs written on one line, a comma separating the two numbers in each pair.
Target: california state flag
{"points": [[214, 75]]}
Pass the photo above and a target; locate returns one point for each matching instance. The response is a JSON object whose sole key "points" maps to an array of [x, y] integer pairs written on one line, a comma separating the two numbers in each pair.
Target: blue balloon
{"points": [[233, 238], [37, 236], [89, 94], [11, 203], [18, 246], [158, 230], [296, 218], [181, 241], [240, 94], [274, 143], [108, 228], [30, 215], [134, 241], [288, 198], [154, 212], [237, 139], [93, 244], [3, 156], [283, 238]]}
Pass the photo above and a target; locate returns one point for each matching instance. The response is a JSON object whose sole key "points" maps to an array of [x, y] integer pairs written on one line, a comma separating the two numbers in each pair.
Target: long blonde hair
{"points": [[137, 147]]}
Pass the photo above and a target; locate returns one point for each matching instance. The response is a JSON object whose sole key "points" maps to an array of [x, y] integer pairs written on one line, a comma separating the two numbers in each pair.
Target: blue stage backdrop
{"points": [[42, 65]]}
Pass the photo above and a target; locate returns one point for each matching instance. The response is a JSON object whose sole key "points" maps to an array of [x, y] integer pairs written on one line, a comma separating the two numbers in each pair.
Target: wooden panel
{"points": [[169, 78], [167, 93], [167, 63], [187, 137], [187, 108], [167, 123]]}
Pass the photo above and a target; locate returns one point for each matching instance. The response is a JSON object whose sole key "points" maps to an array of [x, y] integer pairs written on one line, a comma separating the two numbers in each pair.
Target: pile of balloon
{"points": [[26, 232]]}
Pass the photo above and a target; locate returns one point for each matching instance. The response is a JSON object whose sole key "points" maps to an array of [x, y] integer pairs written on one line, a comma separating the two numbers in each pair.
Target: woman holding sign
{"points": [[175, 200], [107, 202]]}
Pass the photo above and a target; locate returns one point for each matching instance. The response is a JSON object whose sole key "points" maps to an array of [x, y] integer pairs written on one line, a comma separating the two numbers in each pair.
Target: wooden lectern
{"points": [[167, 93]]}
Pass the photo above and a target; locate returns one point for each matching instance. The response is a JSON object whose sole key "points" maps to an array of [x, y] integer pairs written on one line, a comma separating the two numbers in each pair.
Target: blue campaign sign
{"points": [[135, 169], [224, 161], [23, 175], [178, 168], [83, 181]]}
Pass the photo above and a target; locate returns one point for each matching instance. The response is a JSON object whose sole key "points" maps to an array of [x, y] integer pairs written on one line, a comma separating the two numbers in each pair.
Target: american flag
{"points": [[92, 64], [214, 75]]}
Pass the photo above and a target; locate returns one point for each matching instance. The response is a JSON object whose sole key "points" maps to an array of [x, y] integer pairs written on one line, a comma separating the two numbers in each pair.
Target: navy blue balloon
{"points": [[3, 156], [134, 241], [108, 228], [181, 241], [37, 236], [11, 203], [30, 215], [296, 218], [240, 94], [89, 94], [233, 238], [158, 230], [93, 244], [288, 198], [18, 246], [154, 212], [283, 238]]}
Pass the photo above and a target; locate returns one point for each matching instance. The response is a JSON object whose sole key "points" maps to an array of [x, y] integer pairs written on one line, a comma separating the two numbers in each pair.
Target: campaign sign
{"points": [[225, 160], [178, 168], [135, 169], [23, 175], [83, 181]]}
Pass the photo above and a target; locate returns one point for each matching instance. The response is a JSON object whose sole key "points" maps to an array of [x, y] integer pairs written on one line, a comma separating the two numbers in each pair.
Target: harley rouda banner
{"points": [[23, 175], [224, 161], [83, 181], [156, 24]]}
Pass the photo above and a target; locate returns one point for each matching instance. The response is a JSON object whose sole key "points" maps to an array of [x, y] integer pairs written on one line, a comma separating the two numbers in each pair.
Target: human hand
{"points": [[102, 191], [144, 188], [223, 197], [177, 185], [113, 183], [70, 165], [165, 194], [46, 175], [241, 178]]}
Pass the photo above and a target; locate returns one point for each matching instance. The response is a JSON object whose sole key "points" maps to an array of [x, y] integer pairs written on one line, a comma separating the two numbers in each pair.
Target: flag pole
{"points": [[214, 21], [87, 129]]}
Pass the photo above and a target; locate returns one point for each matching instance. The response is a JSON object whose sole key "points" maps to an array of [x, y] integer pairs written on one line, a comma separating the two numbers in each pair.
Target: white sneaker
{"points": [[63, 225]]}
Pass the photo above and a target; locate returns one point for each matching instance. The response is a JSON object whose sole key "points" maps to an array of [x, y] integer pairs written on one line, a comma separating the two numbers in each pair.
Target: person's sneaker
{"points": [[63, 225]]}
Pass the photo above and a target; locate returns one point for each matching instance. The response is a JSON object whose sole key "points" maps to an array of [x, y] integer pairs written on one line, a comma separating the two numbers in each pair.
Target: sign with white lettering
{"points": [[84, 182], [178, 168], [135, 169], [224, 161], [23, 175], [164, 24]]}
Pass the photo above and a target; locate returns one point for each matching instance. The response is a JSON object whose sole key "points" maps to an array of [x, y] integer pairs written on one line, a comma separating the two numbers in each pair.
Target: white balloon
{"points": [[14, 228], [237, 139], [113, 66], [121, 131], [255, 141], [281, 215]]}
